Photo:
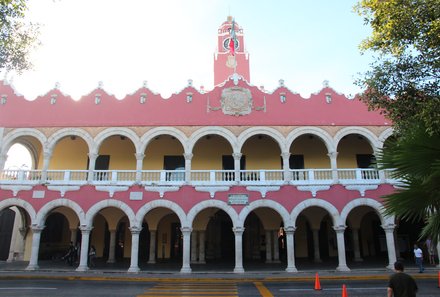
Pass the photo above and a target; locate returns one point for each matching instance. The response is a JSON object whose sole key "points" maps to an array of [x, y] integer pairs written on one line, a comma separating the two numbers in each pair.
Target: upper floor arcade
{"points": [[197, 156]]}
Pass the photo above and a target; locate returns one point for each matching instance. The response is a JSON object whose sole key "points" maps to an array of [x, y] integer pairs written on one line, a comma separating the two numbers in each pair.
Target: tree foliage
{"points": [[404, 80], [404, 84], [16, 37]]}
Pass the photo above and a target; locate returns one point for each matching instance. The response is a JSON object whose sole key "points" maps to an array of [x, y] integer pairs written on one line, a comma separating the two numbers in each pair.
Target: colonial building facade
{"points": [[233, 175]]}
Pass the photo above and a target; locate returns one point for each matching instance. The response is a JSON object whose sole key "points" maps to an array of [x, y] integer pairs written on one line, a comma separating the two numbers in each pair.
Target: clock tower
{"points": [[228, 60]]}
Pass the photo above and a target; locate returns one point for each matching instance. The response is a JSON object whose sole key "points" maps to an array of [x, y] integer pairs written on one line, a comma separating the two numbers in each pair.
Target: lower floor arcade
{"points": [[211, 233]]}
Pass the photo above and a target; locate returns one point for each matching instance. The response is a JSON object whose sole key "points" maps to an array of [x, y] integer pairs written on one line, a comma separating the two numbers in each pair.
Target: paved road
{"points": [[201, 288]]}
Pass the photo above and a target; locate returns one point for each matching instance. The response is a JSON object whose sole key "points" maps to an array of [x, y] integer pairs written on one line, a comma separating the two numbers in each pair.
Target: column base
{"points": [[151, 262], [342, 268], [238, 270], [291, 269], [186, 270], [82, 268], [32, 267], [317, 261], [133, 270], [110, 261], [358, 260], [390, 267]]}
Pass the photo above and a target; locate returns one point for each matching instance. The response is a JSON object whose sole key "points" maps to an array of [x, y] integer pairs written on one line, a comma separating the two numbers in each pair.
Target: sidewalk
{"points": [[171, 272]]}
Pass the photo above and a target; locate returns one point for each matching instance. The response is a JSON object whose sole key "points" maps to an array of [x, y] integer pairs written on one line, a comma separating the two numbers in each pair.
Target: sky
{"points": [[166, 42]]}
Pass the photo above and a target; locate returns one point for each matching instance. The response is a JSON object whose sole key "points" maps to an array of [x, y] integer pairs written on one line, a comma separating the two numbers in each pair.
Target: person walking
{"points": [[401, 284], [92, 256], [418, 255]]}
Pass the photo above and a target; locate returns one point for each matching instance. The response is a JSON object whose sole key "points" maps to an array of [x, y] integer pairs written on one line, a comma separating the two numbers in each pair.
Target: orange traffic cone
{"points": [[344, 291], [317, 283], [439, 279]]}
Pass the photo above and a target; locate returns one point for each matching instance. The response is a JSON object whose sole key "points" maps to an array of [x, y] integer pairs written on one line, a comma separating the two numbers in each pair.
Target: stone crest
{"points": [[236, 101]]}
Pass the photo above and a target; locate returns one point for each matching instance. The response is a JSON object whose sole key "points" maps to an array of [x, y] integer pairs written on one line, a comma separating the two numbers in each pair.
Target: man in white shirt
{"points": [[418, 255]]}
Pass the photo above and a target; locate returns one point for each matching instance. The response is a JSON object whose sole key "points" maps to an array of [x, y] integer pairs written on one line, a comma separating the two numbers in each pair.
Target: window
{"points": [[174, 163]]}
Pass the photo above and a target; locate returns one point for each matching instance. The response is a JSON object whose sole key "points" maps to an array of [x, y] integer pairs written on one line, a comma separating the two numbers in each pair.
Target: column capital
{"points": [[333, 154], [238, 230], [47, 155], [186, 230], [285, 155], [37, 228], [389, 227], [93, 155], [85, 229], [339, 229], [237, 156], [290, 229], [188, 156], [135, 229], [139, 156]]}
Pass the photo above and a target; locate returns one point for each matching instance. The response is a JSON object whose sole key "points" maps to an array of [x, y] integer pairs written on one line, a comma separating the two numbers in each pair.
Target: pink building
{"points": [[236, 176]]}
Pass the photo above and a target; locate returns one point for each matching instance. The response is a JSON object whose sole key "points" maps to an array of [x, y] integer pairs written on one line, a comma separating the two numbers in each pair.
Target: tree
{"points": [[404, 84], [16, 37]]}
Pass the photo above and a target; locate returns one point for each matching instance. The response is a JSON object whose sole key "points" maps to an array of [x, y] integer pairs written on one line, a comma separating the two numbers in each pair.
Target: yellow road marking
{"points": [[263, 290], [192, 289]]}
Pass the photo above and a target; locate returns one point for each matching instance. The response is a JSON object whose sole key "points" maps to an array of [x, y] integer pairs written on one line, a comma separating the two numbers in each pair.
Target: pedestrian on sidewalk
{"points": [[401, 284], [92, 256], [418, 255]]}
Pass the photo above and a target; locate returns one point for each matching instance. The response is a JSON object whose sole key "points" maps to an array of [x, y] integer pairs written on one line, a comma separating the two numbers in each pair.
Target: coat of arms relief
{"points": [[236, 101]]}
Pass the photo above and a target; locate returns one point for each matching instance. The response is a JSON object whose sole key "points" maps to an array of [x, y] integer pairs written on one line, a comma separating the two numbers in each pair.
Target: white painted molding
{"points": [[361, 188], [63, 189], [212, 190], [162, 189], [313, 189], [111, 189], [16, 189], [263, 190]]}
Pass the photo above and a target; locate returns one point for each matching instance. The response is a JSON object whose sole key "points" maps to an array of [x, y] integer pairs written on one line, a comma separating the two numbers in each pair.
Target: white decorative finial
{"points": [[235, 78], [144, 84], [281, 82], [325, 83], [190, 82], [57, 85], [100, 84]]}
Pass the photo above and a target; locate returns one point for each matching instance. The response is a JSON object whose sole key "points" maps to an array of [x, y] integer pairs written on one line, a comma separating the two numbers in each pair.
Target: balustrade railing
{"points": [[198, 177]]}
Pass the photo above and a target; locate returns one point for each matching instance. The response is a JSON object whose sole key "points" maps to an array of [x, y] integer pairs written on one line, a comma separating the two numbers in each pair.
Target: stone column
{"points": [[194, 247], [36, 235], [341, 248], [188, 158], [186, 232], [356, 245], [286, 166], [92, 162], [389, 234], [276, 247], [112, 246], [237, 158], [202, 247], [134, 259], [317, 254], [139, 161], [46, 160], [334, 165], [290, 231], [238, 232], [85, 239], [3, 158], [152, 256], [268, 246]]}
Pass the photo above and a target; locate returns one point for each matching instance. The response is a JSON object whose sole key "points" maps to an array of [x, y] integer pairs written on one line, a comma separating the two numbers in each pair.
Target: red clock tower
{"points": [[225, 62]]}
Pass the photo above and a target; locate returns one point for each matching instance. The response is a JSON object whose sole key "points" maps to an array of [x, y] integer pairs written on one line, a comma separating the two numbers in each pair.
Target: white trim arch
{"points": [[60, 134], [48, 207], [11, 137], [20, 203], [321, 133], [196, 209], [149, 136], [374, 204], [333, 212], [214, 130], [385, 135], [370, 136], [94, 210], [130, 134], [277, 207], [275, 134], [144, 210]]}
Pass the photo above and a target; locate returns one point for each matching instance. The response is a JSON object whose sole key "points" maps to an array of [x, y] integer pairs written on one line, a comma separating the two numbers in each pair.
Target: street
{"points": [[201, 288]]}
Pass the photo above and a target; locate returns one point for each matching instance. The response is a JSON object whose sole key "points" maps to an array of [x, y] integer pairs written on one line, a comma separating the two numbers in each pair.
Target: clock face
{"points": [[226, 44]]}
